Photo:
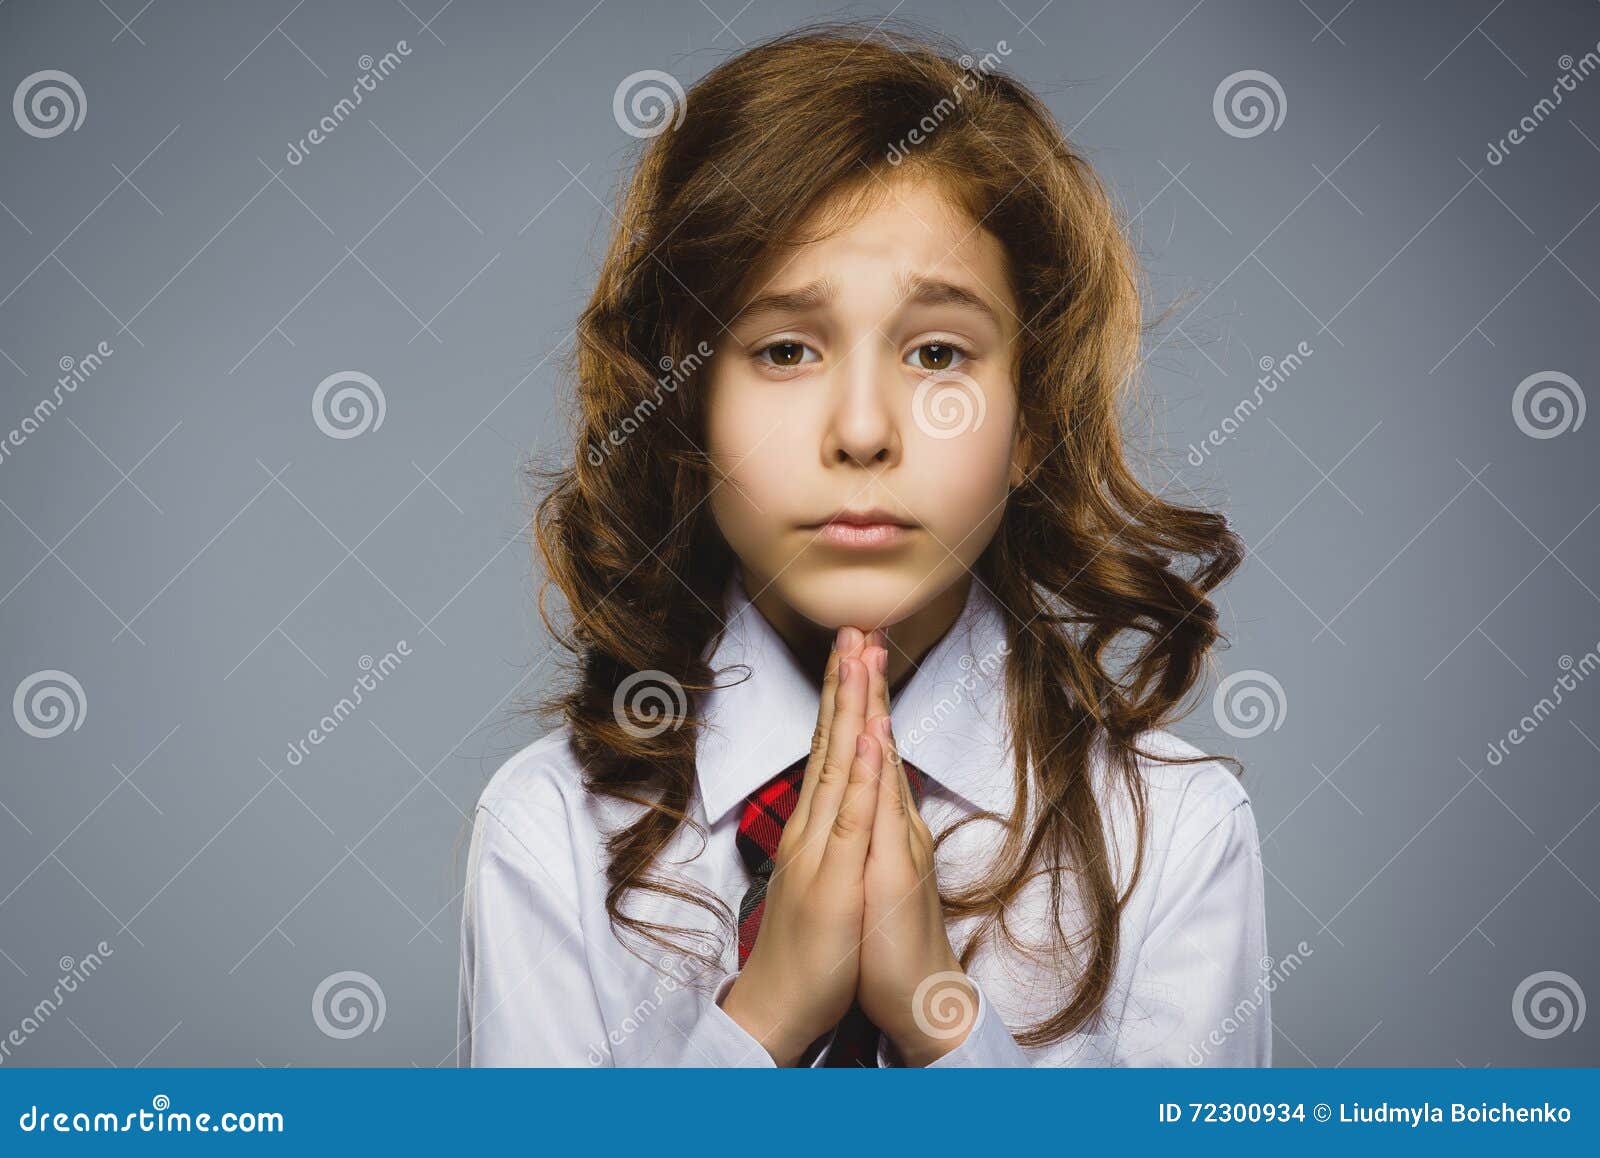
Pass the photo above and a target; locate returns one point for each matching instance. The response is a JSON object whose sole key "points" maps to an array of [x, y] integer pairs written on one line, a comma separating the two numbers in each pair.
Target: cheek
{"points": [[963, 483], [759, 461]]}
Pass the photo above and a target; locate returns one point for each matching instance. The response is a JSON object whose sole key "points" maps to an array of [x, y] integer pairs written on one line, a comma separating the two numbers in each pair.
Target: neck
{"points": [[909, 639]]}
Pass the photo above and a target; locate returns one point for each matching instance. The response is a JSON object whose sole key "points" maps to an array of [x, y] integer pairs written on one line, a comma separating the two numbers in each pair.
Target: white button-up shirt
{"points": [[545, 981]]}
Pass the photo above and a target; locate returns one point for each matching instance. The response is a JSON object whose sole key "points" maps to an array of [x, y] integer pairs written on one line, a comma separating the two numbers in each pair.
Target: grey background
{"points": [[183, 539]]}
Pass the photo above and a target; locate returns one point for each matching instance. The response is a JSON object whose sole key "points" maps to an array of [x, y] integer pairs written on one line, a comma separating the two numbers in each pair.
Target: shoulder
{"points": [[543, 771], [536, 797], [1190, 798], [1187, 780]]}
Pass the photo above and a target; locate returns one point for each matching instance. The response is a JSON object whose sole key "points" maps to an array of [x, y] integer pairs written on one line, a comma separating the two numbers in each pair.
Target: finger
{"points": [[847, 642], [877, 657], [850, 833], [918, 838], [878, 704], [890, 834], [878, 694], [888, 825], [832, 776]]}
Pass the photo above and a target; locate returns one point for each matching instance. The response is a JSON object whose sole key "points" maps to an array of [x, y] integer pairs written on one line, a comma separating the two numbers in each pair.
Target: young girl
{"points": [[862, 759]]}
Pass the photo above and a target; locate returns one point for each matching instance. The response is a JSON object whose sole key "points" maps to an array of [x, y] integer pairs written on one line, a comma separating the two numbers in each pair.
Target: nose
{"points": [[863, 424]]}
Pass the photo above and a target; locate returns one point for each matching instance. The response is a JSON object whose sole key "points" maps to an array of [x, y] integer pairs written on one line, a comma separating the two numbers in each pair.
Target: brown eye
{"points": [[934, 356], [786, 353]]}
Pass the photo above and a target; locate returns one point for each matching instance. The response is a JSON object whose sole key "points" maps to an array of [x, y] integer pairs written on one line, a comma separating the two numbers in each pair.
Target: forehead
{"points": [[903, 223]]}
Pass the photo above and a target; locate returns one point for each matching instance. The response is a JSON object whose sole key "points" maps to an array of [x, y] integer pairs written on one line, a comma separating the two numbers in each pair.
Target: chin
{"points": [[859, 596]]}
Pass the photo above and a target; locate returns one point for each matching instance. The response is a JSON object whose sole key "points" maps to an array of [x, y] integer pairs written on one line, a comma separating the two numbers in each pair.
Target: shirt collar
{"points": [[949, 718]]}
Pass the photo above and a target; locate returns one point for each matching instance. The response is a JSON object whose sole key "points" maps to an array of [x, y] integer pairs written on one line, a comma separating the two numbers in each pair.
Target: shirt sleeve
{"points": [[988, 1043], [1200, 994], [527, 995], [526, 998], [816, 1052]]}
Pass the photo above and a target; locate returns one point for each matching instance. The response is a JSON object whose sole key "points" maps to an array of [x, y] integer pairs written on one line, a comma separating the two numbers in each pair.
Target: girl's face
{"points": [[868, 374]]}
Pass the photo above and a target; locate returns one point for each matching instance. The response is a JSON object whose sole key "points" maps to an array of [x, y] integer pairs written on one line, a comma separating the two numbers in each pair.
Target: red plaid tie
{"points": [[766, 811]]}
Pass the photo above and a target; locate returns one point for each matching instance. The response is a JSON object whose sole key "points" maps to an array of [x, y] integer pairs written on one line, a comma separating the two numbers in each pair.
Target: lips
{"points": [[859, 535], [871, 517], [863, 530]]}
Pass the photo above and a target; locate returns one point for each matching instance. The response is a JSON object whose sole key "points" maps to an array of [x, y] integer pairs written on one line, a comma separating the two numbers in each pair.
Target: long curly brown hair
{"points": [[1105, 586]]}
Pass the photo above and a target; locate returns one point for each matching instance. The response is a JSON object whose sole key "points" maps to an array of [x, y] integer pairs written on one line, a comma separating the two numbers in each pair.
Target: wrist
{"points": [[944, 1012], [919, 1050], [744, 1003]]}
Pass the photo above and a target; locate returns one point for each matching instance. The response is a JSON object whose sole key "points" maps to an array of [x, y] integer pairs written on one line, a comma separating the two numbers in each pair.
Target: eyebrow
{"points": [[811, 297], [934, 291], [915, 289]]}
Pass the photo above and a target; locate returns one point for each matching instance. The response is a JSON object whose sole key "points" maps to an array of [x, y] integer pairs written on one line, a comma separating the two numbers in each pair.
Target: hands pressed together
{"points": [[852, 908]]}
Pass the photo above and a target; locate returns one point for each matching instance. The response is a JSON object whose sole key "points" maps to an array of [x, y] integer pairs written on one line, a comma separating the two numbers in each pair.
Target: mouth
{"points": [[869, 529]]}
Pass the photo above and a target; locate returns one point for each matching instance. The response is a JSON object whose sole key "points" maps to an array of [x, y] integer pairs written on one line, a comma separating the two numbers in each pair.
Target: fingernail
{"points": [[883, 726], [844, 671], [851, 637], [881, 658], [861, 745]]}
